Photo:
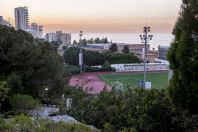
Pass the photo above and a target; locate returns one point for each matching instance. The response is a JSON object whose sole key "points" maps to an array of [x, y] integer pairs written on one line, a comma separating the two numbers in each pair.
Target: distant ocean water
{"points": [[131, 38]]}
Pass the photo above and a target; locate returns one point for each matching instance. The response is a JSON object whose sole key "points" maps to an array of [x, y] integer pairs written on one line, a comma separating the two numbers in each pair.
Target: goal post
{"points": [[118, 86]]}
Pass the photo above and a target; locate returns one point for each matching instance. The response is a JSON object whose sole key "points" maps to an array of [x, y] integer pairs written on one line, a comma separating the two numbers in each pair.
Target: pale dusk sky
{"points": [[97, 15]]}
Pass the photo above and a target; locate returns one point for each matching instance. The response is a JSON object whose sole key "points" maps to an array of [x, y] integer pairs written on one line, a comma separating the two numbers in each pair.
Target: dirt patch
{"points": [[90, 83]]}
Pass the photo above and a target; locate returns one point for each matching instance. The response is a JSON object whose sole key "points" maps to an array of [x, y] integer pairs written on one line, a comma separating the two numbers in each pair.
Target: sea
{"points": [[162, 39]]}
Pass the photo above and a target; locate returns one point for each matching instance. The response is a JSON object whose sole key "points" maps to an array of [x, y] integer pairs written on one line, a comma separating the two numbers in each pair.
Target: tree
{"points": [[90, 41], [105, 40], [64, 47], [97, 40], [14, 83], [91, 58], [125, 49], [183, 58], [55, 43], [83, 42], [113, 48], [136, 109], [75, 42], [106, 66], [34, 62], [23, 103], [3, 91]]}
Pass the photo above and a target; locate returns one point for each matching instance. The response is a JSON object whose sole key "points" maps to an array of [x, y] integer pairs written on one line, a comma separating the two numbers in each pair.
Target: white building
{"points": [[51, 37], [140, 67], [22, 22], [36, 30], [4, 22], [21, 18], [63, 39], [104, 46]]}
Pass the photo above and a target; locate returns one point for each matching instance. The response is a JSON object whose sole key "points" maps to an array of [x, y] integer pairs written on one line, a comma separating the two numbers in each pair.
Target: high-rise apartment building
{"points": [[21, 18], [22, 22]]}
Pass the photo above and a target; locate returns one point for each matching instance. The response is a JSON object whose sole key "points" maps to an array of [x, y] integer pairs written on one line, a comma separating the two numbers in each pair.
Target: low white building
{"points": [[51, 37], [103, 46], [140, 67], [35, 30], [63, 39], [4, 22]]}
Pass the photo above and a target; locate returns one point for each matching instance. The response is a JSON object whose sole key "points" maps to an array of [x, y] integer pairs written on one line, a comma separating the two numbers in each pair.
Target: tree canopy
{"points": [[113, 47], [92, 58], [125, 49], [183, 58], [28, 64]]}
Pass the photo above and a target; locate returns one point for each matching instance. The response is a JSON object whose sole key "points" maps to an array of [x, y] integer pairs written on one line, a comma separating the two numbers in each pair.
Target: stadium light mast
{"points": [[145, 38], [81, 53]]}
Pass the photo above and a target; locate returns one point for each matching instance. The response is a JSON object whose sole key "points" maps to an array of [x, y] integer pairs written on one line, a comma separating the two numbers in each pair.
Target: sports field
{"points": [[130, 80]]}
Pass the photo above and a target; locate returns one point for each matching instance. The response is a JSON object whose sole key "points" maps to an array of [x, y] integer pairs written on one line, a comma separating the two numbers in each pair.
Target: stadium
{"points": [[125, 77]]}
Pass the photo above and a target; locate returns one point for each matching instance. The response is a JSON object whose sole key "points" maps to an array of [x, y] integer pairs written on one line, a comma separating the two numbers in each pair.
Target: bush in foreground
{"points": [[134, 110], [23, 103], [23, 123]]}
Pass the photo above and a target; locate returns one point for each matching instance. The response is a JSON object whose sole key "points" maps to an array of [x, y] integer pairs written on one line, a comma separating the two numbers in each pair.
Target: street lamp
{"points": [[145, 38], [46, 90], [81, 53]]}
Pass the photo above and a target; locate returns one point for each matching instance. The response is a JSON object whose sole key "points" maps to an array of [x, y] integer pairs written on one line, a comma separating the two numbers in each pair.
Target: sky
{"points": [[98, 16]]}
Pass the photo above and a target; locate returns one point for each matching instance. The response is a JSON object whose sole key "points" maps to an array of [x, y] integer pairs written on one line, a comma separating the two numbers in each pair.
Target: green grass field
{"points": [[130, 80]]}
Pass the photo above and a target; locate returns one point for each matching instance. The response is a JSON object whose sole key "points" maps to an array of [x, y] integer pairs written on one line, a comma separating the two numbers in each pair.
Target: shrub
{"points": [[106, 66], [72, 69], [97, 69], [48, 126], [22, 123], [23, 103], [3, 91], [92, 58]]}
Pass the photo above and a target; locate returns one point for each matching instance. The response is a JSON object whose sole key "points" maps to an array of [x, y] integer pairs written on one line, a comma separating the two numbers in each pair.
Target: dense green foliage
{"points": [[92, 41], [76, 69], [29, 65], [119, 58], [106, 66], [3, 91], [125, 49], [113, 48], [23, 123], [183, 57], [22, 103], [71, 57], [137, 109]]}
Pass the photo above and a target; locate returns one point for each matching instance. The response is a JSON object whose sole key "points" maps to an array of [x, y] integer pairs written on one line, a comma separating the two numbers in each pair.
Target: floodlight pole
{"points": [[145, 39], [81, 53]]}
